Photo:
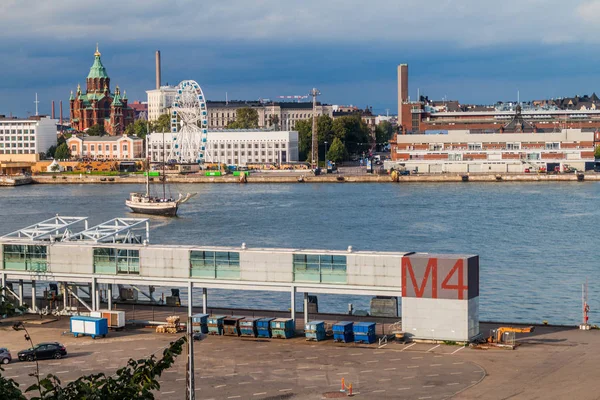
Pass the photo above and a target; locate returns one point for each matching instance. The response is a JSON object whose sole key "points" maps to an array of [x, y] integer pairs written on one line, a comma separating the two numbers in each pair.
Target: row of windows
{"points": [[17, 131], [99, 147], [319, 268], [203, 264], [243, 145], [243, 153], [16, 145], [25, 257], [17, 138], [31, 151]]}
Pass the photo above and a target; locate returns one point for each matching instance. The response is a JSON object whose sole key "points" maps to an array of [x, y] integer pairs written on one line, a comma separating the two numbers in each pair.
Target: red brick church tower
{"points": [[98, 105]]}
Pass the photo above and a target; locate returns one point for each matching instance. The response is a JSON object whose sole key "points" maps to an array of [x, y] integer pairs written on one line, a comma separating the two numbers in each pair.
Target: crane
{"points": [[497, 335]]}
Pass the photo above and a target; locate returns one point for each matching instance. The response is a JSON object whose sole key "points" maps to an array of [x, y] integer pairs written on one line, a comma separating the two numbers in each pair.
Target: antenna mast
{"points": [[36, 105]]}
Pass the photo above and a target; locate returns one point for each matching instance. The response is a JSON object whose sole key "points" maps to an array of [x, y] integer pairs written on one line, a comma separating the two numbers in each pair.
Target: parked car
{"points": [[5, 356], [42, 351]]}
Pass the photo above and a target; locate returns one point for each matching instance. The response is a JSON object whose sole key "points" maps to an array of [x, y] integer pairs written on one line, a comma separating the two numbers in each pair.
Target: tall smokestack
{"points": [[157, 69], [61, 114], [52, 109], [402, 89]]}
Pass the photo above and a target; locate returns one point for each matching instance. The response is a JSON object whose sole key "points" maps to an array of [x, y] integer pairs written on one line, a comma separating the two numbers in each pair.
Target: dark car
{"points": [[42, 351], [5, 356]]}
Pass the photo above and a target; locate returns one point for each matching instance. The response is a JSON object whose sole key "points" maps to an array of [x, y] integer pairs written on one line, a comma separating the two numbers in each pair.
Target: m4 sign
{"points": [[440, 277]]}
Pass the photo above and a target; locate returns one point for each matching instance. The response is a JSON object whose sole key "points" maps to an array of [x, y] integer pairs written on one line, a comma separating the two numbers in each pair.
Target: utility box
{"points": [[90, 326], [116, 319]]}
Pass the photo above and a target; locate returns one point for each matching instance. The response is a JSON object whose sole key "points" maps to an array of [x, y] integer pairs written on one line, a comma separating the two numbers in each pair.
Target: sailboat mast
{"points": [[147, 161], [163, 167]]}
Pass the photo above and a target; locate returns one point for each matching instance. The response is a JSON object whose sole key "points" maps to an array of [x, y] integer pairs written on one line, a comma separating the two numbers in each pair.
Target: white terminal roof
{"points": [[115, 230], [58, 227]]}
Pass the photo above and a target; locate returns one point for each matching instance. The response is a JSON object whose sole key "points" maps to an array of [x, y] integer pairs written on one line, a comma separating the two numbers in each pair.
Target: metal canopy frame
{"points": [[121, 230], [57, 228]]}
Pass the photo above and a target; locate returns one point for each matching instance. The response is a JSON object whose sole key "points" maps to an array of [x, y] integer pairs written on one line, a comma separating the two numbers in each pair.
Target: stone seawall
{"points": [[76, 179]]}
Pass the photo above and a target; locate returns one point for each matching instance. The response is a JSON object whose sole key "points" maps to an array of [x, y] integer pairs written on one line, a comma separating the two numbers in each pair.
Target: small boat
{"points": [[145, 203]]}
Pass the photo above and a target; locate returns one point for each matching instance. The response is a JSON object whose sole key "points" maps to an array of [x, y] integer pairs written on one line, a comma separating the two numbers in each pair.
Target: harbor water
{"points": [[536, 241]]}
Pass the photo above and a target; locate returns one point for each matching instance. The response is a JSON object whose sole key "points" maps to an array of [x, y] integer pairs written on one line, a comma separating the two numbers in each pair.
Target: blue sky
{"points": [[474, 51]]}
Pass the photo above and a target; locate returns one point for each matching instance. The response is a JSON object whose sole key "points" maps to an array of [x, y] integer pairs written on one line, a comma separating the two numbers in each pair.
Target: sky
{"points": [[474, 51]]}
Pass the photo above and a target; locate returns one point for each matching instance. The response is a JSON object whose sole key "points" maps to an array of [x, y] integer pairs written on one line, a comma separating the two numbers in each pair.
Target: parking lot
{"points": [[240, 368]]}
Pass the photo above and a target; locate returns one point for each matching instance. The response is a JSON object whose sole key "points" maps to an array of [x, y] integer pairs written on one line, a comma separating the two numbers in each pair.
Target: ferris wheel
{"points": [[189, 123]]}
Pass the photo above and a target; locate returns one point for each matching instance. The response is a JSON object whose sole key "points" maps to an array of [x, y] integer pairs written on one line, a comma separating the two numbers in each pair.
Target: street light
{"points": [[326, 154]]}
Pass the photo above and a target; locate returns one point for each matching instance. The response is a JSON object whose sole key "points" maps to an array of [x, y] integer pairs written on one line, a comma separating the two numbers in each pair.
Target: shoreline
{"points": [[293, 178]]}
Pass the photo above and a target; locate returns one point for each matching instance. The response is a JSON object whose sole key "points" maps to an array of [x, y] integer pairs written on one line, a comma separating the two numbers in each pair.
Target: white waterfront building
{"points": [[236, 147], [24, 139], [160, 101]]}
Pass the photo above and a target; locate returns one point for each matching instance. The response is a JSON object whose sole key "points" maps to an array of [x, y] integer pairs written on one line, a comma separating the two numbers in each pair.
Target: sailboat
{"points": [[145, 203]]}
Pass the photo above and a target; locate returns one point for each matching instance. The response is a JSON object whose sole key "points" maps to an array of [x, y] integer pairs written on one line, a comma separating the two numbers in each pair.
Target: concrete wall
{"points": [[266, 267], [436, 319], [371, 270], [71, 259], [165, 262]]}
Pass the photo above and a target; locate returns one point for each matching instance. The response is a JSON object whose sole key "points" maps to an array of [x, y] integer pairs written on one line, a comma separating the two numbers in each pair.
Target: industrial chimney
{"points": [[53, 109], [157, 69], [61, 114]]}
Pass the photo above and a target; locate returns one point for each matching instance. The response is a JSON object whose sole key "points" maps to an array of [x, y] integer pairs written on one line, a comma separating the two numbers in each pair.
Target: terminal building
{"points": [[235, 147], [439, 293]]}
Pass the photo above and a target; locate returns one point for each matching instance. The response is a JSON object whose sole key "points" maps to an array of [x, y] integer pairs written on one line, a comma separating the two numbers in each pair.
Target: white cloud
{"points": [[468, 23]]}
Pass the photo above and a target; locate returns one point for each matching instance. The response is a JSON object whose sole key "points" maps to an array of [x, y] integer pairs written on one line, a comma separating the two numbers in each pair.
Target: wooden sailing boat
{"points": [[145, 203]]}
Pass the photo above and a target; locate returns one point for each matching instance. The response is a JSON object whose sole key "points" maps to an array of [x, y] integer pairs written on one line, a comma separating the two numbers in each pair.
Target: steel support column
{"points": [[293, 305], [204, 300], [190, 298], [21, 299], [305, 308], [93, 295], [109, 296], [33, 297], [3, 283]]}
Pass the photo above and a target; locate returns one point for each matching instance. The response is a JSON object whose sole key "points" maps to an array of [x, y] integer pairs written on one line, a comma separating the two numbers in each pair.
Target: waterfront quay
{"points": [[545, 364], [307, 177]]}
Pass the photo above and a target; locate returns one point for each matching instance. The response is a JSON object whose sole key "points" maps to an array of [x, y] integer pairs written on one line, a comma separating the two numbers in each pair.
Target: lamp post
{"points": [[326, 154]]}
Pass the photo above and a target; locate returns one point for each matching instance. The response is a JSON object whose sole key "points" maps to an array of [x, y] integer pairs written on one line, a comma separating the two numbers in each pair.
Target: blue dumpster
{"points": [[343, 332], [263, 327], [91, 326], [248, 327], [315, 330], [364, 332], [283, 328], [215, 324], [200, 323]]}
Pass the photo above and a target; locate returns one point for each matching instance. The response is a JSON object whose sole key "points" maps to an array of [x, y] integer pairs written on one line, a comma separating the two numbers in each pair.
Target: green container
{"points": [[213, 173], [236, 173], [152, 173]]}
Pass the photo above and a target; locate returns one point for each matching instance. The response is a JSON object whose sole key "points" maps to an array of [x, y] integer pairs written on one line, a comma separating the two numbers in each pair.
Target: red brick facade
{"points": [[98, 105]]}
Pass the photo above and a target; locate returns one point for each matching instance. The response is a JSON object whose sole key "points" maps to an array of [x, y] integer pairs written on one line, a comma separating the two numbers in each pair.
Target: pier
{"points": [[119, 252]]}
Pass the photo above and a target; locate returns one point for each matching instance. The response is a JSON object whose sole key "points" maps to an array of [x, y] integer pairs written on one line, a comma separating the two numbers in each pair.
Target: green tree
{"points": [[304, 128], [245, 118], [383, 133], [337, 152], [162, 124], [62, 152], [96, 130], [139, 128], [597, 152], [50, 152], [353, 132]]}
